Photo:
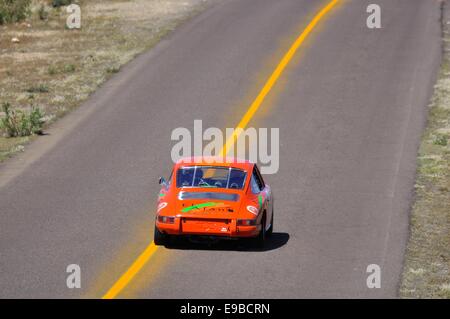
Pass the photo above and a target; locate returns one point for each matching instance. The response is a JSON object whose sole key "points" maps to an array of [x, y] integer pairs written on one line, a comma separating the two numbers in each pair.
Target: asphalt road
{"points": [[350, 107]]}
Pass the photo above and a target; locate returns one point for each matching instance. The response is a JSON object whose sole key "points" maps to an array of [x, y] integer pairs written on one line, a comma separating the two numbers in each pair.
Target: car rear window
{"points": [[211, 176]]}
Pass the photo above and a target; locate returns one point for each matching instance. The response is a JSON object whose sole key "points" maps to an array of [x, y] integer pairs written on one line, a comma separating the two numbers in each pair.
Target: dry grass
{"points": [[427, 266], [72, 64]]}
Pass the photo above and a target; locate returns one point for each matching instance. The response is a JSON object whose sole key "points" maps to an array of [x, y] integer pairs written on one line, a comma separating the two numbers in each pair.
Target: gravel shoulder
{"points": [[427, 264]]}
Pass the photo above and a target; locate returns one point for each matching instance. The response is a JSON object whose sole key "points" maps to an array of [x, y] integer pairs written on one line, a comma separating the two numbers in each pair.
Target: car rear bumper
{"points": [[208, 227]]}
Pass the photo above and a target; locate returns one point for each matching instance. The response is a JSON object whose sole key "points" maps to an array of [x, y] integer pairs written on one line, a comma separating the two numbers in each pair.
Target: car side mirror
{"points": [[162, 181]]}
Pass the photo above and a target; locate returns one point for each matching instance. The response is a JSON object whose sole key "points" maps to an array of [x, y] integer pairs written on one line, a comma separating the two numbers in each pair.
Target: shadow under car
{"points": [[277, 240]]}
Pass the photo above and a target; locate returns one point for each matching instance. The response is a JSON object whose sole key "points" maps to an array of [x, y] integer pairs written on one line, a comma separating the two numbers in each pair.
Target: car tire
{"points": [[261, 238], [270, 230], [159, 238]]}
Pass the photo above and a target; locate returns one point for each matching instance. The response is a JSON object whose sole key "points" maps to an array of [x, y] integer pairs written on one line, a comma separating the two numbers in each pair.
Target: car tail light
{"points": [[166, 219], [246, 222]]}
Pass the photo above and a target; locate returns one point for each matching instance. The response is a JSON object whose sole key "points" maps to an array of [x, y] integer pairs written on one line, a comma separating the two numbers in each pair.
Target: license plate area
{"points": [[206, 226]]}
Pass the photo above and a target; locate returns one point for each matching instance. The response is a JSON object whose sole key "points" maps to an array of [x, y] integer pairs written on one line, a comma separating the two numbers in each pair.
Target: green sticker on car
{"points": [[202, 205]]}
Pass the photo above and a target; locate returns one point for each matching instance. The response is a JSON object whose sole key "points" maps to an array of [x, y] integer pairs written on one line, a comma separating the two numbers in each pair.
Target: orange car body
{"points": [[214, 205]]}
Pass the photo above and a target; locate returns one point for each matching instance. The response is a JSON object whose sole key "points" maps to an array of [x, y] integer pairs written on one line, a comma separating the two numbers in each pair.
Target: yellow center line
{"points": [[275, 76], [131, 272], [145, 256]]}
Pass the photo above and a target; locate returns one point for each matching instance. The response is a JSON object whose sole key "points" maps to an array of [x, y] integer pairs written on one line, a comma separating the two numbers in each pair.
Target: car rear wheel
{"points": [[270, 230], [260, 240], [159, 238]]}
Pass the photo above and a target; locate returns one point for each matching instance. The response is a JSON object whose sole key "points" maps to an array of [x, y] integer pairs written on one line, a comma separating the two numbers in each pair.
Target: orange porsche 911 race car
{"points": [[222, 200]]}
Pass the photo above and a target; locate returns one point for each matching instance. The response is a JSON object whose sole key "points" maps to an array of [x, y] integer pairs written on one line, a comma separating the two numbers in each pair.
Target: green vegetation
{"points": [[17, 123], [14, 10], [113, 70], [59, 3], [69, 68], [40, 88], [42, 12], [52, 70], [441, 139]]}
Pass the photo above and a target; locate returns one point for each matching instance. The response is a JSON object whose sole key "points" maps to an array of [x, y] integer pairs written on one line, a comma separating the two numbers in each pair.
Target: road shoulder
{"points": [[427, 262]]}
